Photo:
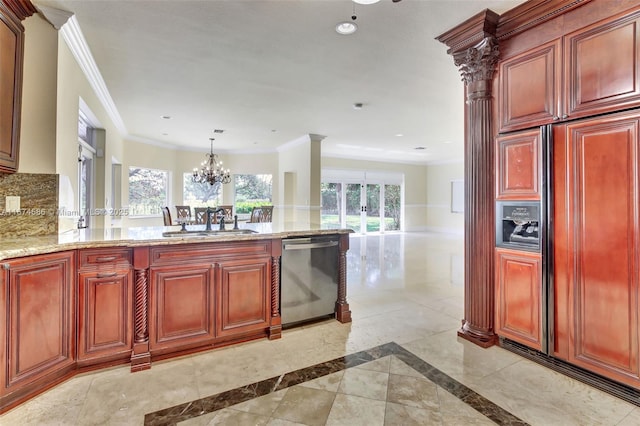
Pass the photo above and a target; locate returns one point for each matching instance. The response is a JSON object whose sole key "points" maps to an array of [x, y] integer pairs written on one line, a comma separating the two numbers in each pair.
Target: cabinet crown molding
{"points": [[531, 13], [21, 8], [470, 32]]}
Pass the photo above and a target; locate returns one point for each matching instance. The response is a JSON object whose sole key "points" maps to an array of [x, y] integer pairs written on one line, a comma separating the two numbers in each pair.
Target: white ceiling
{"points": [[271, 71]]}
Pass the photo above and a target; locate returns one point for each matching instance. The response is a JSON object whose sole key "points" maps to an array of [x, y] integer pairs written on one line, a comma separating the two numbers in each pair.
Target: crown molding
{"points": [[470, 32], [73, 37], [22, 9], [531, 13], [56, 17]]}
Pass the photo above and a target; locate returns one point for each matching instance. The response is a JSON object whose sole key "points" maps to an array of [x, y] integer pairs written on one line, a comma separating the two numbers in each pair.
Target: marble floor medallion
{"points": [[384, 385]]}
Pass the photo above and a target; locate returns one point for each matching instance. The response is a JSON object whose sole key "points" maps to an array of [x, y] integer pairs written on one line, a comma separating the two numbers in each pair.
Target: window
{"points": [[252, 191], [200, 194], [148, 191]]}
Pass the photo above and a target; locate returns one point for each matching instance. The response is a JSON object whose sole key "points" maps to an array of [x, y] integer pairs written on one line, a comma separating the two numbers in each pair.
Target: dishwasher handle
{"points": [[307, 246]]}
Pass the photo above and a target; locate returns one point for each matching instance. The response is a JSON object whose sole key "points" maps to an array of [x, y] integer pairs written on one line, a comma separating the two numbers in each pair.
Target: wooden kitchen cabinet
{"points": [[589, 71], [518, 165], [601, 66], [38, 336], [243, 295], [105, 305], [518, 290], [596, 271], [182, 307], [11, 64], [529, 87]]}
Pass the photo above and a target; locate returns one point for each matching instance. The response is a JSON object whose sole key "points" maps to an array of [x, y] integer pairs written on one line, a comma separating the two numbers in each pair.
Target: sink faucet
{"points": [[210, 211]]}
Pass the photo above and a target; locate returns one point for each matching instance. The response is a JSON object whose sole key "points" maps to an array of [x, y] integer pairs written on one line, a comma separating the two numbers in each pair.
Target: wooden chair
{"points": [[183, 213], [228, 214], [200, 215], [166, 215], [267, 213], [256, 214]]}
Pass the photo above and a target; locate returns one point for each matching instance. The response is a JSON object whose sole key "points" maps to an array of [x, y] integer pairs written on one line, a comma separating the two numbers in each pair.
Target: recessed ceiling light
{"points": [[366, 1], [165, 117], [346, 28], [357, 105], [218, 131], [399, 135], [420, 148], [447, 142]]}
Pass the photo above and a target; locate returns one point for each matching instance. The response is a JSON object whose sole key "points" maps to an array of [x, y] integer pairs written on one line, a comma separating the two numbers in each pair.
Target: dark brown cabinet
{"points": [[209, 294], [602, 67], [243, 302], [105, 308], [39, 332], [11, 63], [518, 166], [182, 307], [589, 71], [596, 239], [519, 297], [529, 87]]}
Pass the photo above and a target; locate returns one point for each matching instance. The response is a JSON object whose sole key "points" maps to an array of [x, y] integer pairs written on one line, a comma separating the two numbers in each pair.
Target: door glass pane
{"points": [[353, 207], [373, 207], [331, 194], [392, 207]]}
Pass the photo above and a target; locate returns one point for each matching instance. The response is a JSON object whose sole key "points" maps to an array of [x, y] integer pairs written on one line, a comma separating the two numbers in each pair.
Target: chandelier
{"points": [[211, 170]]}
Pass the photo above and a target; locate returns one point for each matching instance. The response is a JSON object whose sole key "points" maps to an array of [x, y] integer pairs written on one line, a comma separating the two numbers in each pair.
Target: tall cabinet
{"points": [[579, 74], [557, 85]]}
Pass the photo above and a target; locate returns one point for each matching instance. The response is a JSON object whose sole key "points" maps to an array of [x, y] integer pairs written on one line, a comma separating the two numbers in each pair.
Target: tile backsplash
{"points": [[38, 214]]}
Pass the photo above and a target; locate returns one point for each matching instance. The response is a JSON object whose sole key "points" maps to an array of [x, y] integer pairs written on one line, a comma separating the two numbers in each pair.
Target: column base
{"points": [[481, 338], [140, 357], [275, 330], [343, 314]]}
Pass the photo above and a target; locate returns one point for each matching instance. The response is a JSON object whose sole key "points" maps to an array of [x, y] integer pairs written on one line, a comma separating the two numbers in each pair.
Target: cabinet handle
{"points": [[564, 116], [556, 118], [106, 259], [107, 275]]}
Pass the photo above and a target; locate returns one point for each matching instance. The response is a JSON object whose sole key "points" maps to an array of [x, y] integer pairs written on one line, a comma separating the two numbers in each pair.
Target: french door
{"points": [[361, 206]]}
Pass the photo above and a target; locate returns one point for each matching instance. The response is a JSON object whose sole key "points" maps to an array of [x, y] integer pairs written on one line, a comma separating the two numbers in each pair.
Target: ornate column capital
{"points": [[478, 63]]}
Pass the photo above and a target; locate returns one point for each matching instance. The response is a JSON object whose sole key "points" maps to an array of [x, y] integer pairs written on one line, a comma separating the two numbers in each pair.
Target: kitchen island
{"points": [[89, 299]]}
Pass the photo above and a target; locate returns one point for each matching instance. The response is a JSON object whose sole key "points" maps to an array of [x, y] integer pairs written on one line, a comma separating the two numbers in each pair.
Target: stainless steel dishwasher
{"points": [[309, 278]]}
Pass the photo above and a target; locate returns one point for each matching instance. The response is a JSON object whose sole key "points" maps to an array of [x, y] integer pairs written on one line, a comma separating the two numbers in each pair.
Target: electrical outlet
{"points": [[12, 204]]}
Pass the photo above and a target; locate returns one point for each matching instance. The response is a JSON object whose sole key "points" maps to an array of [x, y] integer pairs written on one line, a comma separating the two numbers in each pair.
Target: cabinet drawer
{"points": [[196, 253], [110, 256]]}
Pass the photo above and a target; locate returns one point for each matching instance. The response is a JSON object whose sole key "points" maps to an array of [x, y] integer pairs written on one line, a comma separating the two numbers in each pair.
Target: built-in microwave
{"points": [[518, 225]]}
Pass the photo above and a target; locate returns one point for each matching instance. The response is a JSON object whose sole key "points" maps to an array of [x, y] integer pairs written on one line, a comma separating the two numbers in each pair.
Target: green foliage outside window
{"points": [[147, 191]]}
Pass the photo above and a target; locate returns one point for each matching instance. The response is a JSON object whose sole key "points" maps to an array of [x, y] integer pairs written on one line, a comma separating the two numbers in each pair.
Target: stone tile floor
{"points": [[405, 288]]}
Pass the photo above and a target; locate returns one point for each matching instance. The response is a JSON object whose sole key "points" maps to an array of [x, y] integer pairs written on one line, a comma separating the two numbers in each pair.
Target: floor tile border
{"points": [[209, 404]]}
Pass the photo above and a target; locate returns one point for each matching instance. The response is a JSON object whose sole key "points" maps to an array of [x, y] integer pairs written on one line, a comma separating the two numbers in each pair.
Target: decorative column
{"points": [[475, 51], [477, 66], [140, 355], [342, 311], [275, 324]]}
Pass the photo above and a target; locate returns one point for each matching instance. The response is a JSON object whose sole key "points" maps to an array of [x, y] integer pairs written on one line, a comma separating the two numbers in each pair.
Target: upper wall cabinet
{"points": [[587, 72], [601, 66], [530, 87], [11, 59]]}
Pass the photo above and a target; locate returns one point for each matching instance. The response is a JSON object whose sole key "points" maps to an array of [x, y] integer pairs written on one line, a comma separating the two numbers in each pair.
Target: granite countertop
{"points": [[144, 236]]}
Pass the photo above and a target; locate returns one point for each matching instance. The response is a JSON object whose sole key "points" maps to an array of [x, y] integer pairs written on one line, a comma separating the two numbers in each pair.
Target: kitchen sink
{"points": [[213, 232]]}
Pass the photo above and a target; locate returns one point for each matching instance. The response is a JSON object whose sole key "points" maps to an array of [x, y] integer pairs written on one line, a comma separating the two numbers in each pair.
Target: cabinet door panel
{"points": [[105, 314], [599, 268], [519, 293], [40, 330], [11, 58], [529, 91], [243, 295], [518, 166], [601, 66], [181, 306]]}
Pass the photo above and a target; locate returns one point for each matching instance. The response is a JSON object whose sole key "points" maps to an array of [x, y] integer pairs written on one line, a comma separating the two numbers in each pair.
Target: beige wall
{"points": [[39, 93], [439, 216], [415, 186]]}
